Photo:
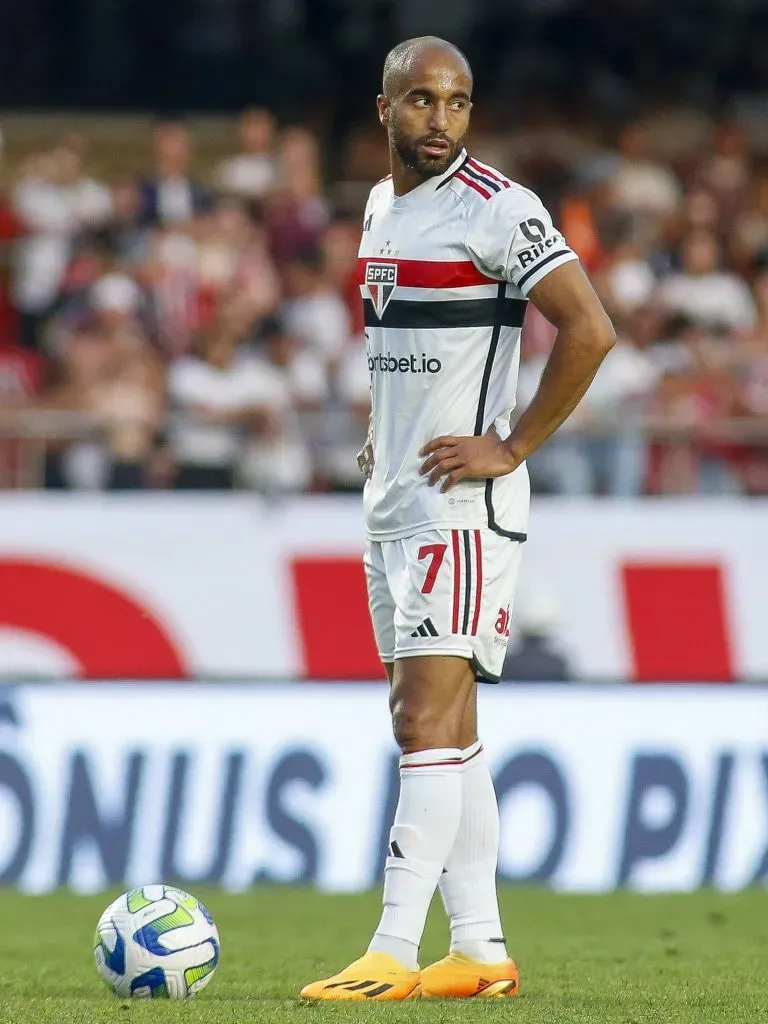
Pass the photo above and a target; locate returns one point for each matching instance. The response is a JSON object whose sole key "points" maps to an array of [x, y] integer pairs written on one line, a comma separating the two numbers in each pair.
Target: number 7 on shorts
{"points": [[436, 554]]}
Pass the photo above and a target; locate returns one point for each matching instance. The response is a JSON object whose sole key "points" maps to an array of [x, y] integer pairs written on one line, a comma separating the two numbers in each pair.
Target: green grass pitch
{"points": [[617, 959]]}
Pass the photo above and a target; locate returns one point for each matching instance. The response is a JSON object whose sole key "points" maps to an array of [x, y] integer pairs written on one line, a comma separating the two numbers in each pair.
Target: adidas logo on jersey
{"points": [[381, 281], [427, 628]]}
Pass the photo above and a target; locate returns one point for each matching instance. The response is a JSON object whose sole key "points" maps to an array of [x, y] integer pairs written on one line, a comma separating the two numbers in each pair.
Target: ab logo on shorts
{"points": [[381, 281]]}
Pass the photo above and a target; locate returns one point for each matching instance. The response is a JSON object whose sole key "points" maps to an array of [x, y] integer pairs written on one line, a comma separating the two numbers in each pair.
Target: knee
{"points": [[420, 727]]}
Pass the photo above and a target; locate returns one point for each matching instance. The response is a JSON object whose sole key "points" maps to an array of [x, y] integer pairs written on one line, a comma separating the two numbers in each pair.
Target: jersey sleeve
{"points": [[512, 237]]}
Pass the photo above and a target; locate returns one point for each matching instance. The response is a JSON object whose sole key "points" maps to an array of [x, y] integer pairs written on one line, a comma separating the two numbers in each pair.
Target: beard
{"points": [[415, 160]]}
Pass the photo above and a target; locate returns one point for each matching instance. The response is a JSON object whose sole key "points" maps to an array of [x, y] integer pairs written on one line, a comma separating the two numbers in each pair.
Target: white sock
{"points": [[468, 884], [426, 822]]}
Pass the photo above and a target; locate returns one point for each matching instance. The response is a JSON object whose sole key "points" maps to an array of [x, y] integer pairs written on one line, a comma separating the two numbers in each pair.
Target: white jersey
{"points": [[444, 272]]}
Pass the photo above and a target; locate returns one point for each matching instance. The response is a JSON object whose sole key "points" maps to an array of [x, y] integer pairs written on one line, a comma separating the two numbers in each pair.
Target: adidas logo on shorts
{"points": [[427, 628]]}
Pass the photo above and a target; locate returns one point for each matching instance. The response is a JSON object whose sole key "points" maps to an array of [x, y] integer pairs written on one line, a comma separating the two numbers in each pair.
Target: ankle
{"points": [[405, 952], [484, 951]]}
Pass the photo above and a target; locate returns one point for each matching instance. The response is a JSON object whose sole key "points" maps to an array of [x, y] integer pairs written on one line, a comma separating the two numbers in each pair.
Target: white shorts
{"points": [[444, 592]]}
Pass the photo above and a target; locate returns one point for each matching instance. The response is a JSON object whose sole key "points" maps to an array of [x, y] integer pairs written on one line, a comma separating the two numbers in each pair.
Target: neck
{"points": [[404, 179]]}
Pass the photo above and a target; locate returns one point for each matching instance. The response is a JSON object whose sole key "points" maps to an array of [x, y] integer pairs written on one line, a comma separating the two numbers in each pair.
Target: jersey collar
{"points": [[431, 184]]}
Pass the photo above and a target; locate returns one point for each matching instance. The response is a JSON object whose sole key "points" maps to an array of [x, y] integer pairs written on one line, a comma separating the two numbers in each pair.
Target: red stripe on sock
{"points": [[433, 764]]}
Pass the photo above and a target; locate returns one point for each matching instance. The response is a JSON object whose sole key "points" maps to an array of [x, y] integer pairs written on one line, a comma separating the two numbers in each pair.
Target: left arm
{"points": [[585, 336]]}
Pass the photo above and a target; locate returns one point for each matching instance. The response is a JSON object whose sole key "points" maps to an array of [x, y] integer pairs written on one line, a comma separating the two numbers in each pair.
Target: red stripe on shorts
{"points": [[456, 580], [479, 586]]}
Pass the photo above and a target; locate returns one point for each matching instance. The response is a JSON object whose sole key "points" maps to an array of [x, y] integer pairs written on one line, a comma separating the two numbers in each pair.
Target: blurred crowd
{"points": [[203, 329]]}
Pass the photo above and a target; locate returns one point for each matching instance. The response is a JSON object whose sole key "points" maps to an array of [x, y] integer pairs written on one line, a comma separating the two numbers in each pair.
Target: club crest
{"points": [[380, 281]]}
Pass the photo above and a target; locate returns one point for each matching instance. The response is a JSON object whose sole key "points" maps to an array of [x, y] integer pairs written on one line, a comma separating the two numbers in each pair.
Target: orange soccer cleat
{"points": [[373, 976], [458, 977]]}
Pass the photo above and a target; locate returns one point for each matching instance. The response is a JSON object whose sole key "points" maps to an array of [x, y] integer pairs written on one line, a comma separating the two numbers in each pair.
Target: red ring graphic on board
{"points": [[107, 631]]}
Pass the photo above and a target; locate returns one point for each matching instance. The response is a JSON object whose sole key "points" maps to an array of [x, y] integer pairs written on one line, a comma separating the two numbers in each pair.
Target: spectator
{"points": [[296, 213], [293, 381], [55, 201], [123, 235], [691, 401], [251, 173], [170, 196], [88, 199], [172, 281], [643, 185], [232, 257], [315, 312], [219, 399], [627, 280], [726, 171], [111, 375], [703, 291], [303, 370]]}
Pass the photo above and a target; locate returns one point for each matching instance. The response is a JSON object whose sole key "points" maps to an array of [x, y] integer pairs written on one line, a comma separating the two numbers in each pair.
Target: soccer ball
{"points": [[156, 942]]}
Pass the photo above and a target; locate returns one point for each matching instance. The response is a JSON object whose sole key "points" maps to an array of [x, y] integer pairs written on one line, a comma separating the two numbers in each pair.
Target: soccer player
{"points": [[451, 252]]}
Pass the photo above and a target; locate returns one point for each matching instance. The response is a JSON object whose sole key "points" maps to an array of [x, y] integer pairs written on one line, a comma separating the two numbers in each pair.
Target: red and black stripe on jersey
{"points": [[440, 314], [481, 179]]}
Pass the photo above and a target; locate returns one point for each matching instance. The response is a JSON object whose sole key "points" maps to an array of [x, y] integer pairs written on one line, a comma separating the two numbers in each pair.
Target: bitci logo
{"points": [[380, 281]]}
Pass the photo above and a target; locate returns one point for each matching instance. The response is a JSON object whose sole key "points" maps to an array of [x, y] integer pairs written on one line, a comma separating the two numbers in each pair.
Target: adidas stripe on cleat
{"points": [[374, 976]]}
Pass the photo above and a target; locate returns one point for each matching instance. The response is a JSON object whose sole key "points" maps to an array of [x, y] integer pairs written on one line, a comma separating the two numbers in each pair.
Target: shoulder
{"points": [[381, 190], [488, 192], [493, 202]]}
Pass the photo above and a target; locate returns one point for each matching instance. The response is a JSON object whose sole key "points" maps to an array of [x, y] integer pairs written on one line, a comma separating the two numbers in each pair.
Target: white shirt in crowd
{"points": [[644, 186], [626, 375], [278, 463], [248, 175], [321, 321], [174, 200], [52, 214], [632, 282], [711, 300]]}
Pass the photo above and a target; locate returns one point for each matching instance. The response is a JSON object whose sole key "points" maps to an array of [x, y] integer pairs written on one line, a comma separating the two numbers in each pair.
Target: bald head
{"points": [[411, 57]]}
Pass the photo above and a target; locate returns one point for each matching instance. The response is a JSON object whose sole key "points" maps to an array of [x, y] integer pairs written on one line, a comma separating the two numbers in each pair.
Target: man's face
{"points": [[172, 148], [428, 119]]}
